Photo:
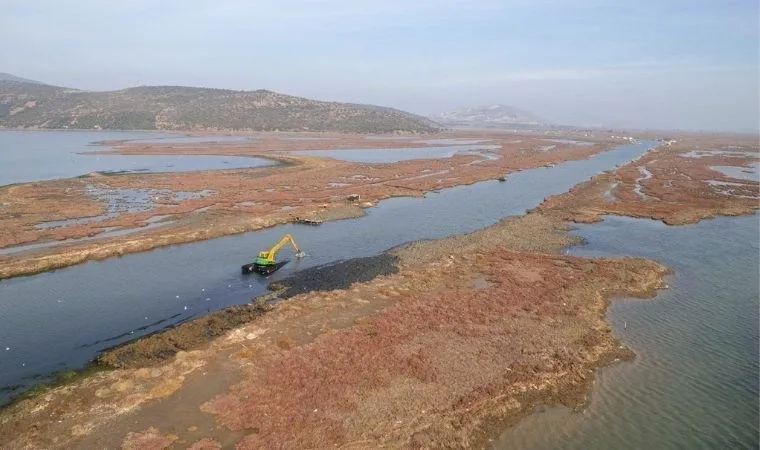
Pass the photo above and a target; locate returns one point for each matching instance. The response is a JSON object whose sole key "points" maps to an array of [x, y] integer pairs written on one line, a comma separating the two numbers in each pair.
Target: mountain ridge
{"points": [[495, 114], [13, 78], [37, 105]]}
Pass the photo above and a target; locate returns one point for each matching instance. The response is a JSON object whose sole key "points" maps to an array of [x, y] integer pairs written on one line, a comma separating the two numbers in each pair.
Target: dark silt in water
{"points": [[46, 155], [62, 319], [694, 382]]}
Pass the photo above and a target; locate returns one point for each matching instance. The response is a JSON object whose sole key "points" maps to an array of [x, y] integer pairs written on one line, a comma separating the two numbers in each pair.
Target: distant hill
{"points": [[32, 105], [8, 77], [489, 115]]}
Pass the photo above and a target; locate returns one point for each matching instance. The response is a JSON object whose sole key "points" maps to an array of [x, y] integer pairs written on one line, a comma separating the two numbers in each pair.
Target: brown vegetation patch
{"points": [[25, 205], [673, 183], [244, 199], [439, 365]]}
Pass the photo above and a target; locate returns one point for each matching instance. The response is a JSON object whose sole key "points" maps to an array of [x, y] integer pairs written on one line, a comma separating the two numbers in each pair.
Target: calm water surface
{"points": [[694, 383], [46, 155], [62, 319]]}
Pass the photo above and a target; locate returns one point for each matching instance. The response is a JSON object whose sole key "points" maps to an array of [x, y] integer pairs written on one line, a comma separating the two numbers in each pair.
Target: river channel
{"points": [[693, 384], [61, 319]]}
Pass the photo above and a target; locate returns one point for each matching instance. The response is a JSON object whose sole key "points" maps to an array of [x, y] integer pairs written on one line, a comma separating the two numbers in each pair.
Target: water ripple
{"points": [[694, 383]]}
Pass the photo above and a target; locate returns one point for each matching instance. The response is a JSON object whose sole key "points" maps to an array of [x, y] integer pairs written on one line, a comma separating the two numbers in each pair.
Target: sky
{"points": [[667, 64]]}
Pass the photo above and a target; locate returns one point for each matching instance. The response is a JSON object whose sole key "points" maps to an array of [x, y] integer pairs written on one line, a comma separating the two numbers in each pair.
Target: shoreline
{"points": [[677, 184], [569, 391], [420, 313], [229, 217]]}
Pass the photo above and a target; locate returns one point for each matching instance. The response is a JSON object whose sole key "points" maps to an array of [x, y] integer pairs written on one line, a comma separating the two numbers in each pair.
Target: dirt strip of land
{"points": [[678, 183], [73, 220], [469, 334]]}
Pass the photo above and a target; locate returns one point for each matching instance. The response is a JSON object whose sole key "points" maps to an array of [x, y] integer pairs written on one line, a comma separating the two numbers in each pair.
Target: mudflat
{"points": [[438, 343], [446, 350], [58, 223], [679, 182]]}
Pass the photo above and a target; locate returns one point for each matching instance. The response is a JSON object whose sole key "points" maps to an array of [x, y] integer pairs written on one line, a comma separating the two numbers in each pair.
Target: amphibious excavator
{"points": [[266, 263]]}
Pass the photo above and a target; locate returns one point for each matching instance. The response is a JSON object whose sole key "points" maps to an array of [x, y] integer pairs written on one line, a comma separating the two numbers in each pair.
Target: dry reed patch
{"points": [[667, 184], [441, 363]]}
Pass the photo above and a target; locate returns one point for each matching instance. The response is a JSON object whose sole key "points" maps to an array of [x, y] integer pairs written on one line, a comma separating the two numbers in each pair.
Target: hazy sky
{"points": [[670, 63]]}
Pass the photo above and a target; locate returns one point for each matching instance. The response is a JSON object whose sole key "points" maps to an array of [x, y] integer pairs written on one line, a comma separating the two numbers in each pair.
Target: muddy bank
{"points": [[532, 233], [336, 276], [469, 333], [163, 345]]}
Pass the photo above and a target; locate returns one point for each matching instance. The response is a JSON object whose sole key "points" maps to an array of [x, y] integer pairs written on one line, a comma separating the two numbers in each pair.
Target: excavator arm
{"points": [[270, 254]]}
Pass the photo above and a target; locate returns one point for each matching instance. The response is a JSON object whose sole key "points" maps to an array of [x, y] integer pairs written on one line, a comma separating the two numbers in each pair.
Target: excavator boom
{"points": [[272, 252]]}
